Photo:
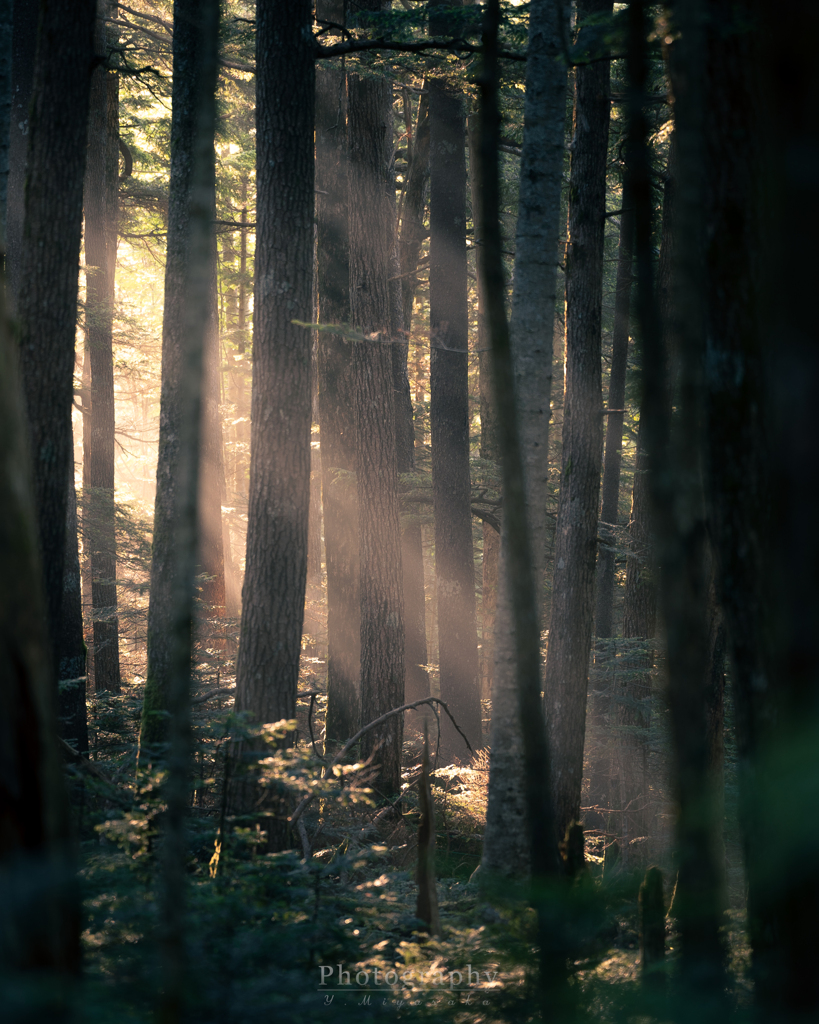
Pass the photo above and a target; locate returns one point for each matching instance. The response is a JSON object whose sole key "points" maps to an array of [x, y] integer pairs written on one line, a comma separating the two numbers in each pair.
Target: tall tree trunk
{"points": [[371, 252], [188, 270], [6, 61], [614, 425], [278, 513], [449, 413], [409, 249], [100, 201], [488, 443], [521, 581], [506, 841], [336, 399], [47, 297], [675, 480], [39, 911], [571, 624]]}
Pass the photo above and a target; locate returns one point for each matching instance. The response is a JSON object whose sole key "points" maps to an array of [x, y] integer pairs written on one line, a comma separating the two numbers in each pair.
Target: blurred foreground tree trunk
{"points": [[506, 841], [39, 907], [572, 620]]}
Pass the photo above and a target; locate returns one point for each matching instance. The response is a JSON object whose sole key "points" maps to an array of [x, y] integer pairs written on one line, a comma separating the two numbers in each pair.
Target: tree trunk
{"points": [[506, 842], [409, 248], [674, 454], [47, 298], [6, 60], [571, 624], [336, 400], [281, 413], [371, 251], [100, 201], [188, 270], [523, 599], [614, 425], [39, 909], [71, 675], [449, 415]]}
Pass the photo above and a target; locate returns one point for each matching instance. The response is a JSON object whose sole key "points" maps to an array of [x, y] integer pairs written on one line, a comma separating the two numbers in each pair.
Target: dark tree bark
{"points": [[674, 452], [449, 414], [614, 425], [39, 911], [576, 538], [336, 400], [371, 253], [188, 269], [279, 506], [47, 297], [71, 659], [24, 46], [413, 229], [101, 203]]}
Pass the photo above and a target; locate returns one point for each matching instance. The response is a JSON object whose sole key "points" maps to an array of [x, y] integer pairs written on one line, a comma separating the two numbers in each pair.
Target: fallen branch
{"points": [[351, 742]]}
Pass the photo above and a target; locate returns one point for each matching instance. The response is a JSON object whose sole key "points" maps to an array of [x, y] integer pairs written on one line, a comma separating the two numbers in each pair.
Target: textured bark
{"points": [[489, 443], [337, 402], [279, 506], [674, 451], [186, 311], [506, 841], [544, 854], [576, 537], [100, 202], [371, 251], [47, 298], [449, 416], [614, 424], [71, 681], [39, 915], [24, 45], [409, 248]]}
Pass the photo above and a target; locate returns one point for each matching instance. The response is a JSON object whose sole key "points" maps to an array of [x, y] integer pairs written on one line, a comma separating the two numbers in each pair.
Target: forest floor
{"points": [[287, 937]]}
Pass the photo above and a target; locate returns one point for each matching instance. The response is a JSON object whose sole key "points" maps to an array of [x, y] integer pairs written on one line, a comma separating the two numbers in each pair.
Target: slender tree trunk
{"points": [[188, 271], [71, 675], [371, 252], [506, 841], [576, 541], [518, 566], [39, 909], [276, 574], [488, 444], [6, 61], [614, 425], [449, 414], [409, 248], [336, 400], [47, 297], [675, 480], [100, 201], [212, 474]]}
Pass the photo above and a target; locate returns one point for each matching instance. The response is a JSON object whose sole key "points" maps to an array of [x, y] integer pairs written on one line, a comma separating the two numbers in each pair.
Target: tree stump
{"points": [[652, 924]]}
